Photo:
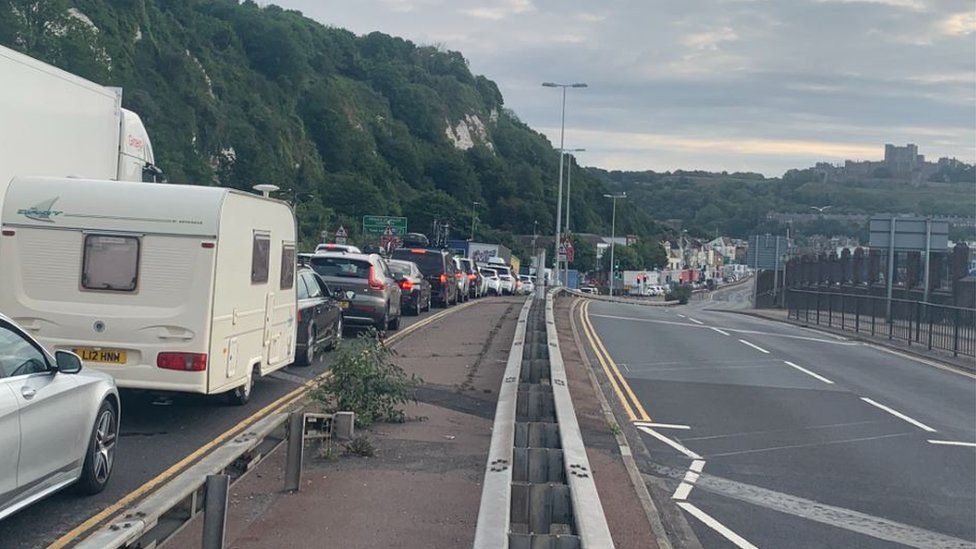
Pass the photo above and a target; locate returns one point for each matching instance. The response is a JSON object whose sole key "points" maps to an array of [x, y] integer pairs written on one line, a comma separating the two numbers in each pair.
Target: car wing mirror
{"points": [[67, 362]]}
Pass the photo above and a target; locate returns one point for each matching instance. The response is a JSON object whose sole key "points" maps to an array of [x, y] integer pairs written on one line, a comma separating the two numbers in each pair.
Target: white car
{"points": [[589, 290], [494, 282], [528, 284], [508, 285], [59, 422], [347, 248]]}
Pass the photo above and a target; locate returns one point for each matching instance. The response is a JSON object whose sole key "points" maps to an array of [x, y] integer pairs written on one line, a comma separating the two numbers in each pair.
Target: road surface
{"points": [[773, 435]]}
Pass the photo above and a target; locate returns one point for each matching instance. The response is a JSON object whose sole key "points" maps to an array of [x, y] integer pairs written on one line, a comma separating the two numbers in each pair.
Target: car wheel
{"points": [[337, 338], [101, 451], [395, 323], [430, 302], [383, 323], [309, 357], [419, 306], [240, 395]]}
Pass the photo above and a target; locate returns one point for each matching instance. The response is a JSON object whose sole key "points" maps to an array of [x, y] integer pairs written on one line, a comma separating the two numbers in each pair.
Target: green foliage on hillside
{"points": [[234, 94], [738, 204]]}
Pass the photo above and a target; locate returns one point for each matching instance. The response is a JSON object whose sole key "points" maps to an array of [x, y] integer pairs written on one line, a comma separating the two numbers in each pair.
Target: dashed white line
{"points": [[681, 315], [808, 372], [697, 465], [899, 415], [754, 346], [736, 539], [953, 443], [684, 489], [695, 320], [676, 445], [721, 331], [661, 425]]}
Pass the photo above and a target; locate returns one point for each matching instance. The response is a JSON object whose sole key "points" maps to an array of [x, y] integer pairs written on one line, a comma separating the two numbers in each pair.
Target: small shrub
{"points": [[361, 446], [327, 450], [365, 380], [681, 294], [614, 428]]}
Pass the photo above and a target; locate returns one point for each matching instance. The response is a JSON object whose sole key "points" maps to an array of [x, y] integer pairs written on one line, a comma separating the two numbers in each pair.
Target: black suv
{"points": [[438, 269]]}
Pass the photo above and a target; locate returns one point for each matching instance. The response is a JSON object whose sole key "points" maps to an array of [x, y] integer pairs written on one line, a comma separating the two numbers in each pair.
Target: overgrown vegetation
{"points": [[367, 381], [361, 445], [681, 294]]}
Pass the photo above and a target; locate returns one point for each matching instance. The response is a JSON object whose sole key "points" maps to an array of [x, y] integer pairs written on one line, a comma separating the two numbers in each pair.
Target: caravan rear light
{"points": [[299, 315], [208, 245], [8, 232], [187, 362], [374, 282]]}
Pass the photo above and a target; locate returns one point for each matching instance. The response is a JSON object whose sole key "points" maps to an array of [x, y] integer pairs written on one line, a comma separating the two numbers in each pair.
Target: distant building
{"points": [[900, 163]]}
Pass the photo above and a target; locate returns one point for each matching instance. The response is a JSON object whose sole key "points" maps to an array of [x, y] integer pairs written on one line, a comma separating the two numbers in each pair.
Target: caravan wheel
{"points": [[240, 395]]}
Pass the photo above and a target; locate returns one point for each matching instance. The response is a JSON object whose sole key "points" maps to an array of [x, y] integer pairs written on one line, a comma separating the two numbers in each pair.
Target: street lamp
{"points": [[613, 231], [562, 135], [474, 217], [569, 183]]}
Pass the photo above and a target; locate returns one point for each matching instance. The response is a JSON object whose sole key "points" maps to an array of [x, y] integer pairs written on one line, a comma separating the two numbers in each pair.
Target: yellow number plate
{"points": [[106, 356], [343, 304]]}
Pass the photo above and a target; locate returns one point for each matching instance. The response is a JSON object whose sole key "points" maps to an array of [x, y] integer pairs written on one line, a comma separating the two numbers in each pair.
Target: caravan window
{"points": [[260, 258], [110, 263], [287, 266]]}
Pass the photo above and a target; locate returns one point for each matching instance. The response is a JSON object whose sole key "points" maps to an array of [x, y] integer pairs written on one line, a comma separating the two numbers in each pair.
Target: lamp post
{"points": [[613, 232], [569, 182], [562, 135], [474, 217]]}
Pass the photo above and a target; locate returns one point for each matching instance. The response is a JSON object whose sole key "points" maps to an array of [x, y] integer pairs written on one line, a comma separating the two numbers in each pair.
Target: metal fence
{"points": [[940, 327]]}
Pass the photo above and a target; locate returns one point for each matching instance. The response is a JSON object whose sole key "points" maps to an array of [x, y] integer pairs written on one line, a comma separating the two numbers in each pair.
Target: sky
{"points": [[736, 85]]}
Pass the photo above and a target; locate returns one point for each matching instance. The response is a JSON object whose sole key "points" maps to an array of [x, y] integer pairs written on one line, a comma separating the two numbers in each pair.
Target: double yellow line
{"points": [[278, 405], [629, 401]]}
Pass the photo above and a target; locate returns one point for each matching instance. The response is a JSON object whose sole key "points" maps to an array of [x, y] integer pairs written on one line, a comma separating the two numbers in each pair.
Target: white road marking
{"points": [[721, 331], [736, 539], [899, 415], [754, 346], [808, 372], [684, 489], [676, 445], [953, 443], [661, 425], [842, 341], [789, 430], [810, 445], [625, 367], [691, 476], [696, 321], [697, 465], [681, 315]]}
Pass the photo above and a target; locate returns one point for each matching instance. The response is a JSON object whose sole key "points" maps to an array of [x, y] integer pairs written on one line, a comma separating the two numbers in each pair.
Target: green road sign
{"points": [[375, 225]]}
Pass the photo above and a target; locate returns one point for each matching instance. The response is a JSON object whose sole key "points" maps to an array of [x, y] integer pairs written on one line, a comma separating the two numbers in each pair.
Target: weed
{"points": [[327, 450], [361, 446], [614, 428]]}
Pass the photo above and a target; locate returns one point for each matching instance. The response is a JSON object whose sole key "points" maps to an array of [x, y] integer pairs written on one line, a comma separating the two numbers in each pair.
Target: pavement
{"points": [[157, 434], [772, 435]]}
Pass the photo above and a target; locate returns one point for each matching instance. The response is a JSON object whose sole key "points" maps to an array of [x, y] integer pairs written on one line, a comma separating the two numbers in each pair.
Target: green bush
{"points": [[681, 294], [365, 380]]}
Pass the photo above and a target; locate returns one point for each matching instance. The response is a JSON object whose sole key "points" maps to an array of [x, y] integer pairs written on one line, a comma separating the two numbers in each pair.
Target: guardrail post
{"points": [[918, 321], [928, 311], [874, 316], [818, 308], [296, 443], [830, 310], [955, 335], [857, 314], [215, 511], [843, 313]]}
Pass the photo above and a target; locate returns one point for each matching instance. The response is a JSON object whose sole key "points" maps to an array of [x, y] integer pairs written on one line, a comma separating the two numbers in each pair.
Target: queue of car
{"points": [[73, 412]]}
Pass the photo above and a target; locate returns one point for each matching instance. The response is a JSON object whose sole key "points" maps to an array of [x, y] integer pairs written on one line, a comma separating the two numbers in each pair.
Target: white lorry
{"points": [[165, 287], [54, 123]]}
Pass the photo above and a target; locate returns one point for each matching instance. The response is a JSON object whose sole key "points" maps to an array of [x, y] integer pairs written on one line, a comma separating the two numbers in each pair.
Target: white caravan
{"points": [[165, 287]]}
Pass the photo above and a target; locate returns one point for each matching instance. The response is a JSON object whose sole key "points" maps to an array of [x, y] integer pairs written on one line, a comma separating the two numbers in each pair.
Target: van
{"points": [[165, 287]]}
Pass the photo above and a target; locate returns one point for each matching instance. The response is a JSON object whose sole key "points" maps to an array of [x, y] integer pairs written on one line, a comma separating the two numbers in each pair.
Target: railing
{"points": [[939, 327]]}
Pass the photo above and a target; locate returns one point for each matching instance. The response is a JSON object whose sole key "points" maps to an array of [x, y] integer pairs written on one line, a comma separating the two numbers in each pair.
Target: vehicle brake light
{"points": [[406, 284], [471, 277], [418, 251], [187, 362], [299, 315], [374, 282], [443, 278]]}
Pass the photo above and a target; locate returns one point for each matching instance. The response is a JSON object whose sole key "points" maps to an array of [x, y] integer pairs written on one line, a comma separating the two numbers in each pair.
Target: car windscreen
{"points": [[341, 267], [430, 263], [489, 272], [466, 265]]}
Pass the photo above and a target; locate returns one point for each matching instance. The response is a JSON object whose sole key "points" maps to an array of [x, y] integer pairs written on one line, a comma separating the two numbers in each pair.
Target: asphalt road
{"points": [[803, 439], [155, 434]]}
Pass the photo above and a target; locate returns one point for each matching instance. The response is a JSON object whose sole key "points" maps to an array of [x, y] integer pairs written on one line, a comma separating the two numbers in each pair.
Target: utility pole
{"points": [[613, 233], [474, 218]]}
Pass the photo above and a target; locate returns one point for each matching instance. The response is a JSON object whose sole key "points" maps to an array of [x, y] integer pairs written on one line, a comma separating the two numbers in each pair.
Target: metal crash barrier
{"points": [[538, 489]]}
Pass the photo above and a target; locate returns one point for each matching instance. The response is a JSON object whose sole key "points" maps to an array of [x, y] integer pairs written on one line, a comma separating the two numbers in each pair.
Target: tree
{"points": [[584, 255], [626, 258]]}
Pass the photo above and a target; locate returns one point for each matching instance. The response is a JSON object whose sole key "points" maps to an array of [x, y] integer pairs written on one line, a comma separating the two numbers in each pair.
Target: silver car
{"points": [[59, 423], [377, 295]]}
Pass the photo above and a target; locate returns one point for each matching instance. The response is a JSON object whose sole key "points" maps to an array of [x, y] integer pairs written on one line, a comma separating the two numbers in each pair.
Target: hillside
{"points": [[738, 204], [236, 94]]}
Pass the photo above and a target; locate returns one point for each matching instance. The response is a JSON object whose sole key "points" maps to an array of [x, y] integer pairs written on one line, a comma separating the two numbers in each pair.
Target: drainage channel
{"points": [[538, 491]]}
